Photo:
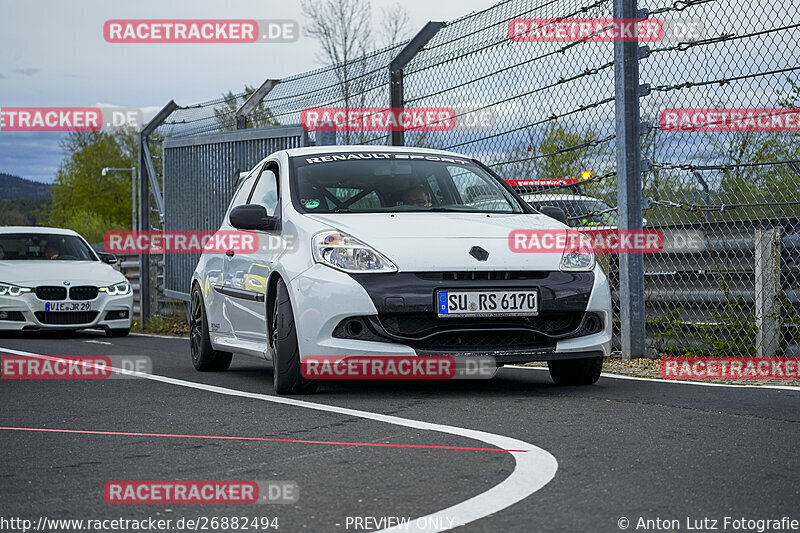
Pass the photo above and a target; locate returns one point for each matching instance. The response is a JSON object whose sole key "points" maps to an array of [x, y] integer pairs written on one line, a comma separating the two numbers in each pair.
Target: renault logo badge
{"points": [[479, 253]]}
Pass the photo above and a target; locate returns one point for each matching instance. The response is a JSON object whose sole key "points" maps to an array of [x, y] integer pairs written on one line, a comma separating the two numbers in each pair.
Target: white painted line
{"points": [[99, 342], [533, 469], [157, 336], [656, 380]]}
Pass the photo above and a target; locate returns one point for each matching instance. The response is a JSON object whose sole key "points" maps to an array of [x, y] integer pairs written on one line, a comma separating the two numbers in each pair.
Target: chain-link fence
{"points": [[730, 184], [552, 109]]}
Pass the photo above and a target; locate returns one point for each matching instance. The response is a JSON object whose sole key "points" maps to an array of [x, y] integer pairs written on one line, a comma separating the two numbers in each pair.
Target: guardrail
{"points": [[739, 294], [160, 301]]}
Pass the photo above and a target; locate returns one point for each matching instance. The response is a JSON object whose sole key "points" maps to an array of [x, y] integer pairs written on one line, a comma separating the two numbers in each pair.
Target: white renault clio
{"points": [[51, 279], [374, 251]]}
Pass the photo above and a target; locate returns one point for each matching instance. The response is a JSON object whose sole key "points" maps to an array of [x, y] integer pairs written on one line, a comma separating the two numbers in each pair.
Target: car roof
{"points": [[528, 197], [36, 229], [311, 150]]}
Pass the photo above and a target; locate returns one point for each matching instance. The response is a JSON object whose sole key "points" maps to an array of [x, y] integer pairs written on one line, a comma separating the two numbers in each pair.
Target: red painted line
{"points": [[222, 437]]}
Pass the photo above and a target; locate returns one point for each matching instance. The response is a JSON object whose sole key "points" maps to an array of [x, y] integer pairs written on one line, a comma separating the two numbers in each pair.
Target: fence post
{"points": [[768, 287], [146, 174], [396, 70], [325, 138], [252, 102], [629, 185]]}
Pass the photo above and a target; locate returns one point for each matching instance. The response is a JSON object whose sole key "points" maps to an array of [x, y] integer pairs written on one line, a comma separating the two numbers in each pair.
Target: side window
{"points": [[470, 186], [241, 194], [243, 189], [266, 190], [475, 191]]}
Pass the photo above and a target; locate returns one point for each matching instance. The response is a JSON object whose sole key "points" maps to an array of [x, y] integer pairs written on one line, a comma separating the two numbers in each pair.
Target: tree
{"points": [[761, 169], [394, 24], [665, 183], [83, 199], [563, 153], [344, 29], [261, 117], [791, 99], [24, 211]]}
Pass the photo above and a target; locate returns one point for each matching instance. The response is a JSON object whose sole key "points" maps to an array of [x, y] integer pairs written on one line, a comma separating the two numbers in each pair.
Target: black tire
{"points": [[204, 357], [120, 332], [576, 371], [286, 376]]}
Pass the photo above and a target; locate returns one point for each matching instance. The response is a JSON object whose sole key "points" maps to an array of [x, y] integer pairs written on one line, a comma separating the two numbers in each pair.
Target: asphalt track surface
{"points": [[624, 448]]}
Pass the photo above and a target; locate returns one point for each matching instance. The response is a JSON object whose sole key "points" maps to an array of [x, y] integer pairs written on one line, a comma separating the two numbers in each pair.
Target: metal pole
{"points": [[397, 65], [133, 199], [768, 291], [144, 225], [146, 174], [252, 102], [629, 185], [706, 195]]}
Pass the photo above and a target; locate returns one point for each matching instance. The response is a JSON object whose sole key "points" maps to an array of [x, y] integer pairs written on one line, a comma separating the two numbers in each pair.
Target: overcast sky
{"points": [[53, 54]]}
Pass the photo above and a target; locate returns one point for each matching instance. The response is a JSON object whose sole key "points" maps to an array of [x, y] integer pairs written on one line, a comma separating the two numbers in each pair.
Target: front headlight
{"points": [[8, 289], [578, 255], [119, 289], [345, 252]]}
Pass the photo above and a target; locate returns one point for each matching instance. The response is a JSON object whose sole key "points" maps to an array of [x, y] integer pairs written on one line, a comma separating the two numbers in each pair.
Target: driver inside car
{"points": [[418, 196], [51, 251]]}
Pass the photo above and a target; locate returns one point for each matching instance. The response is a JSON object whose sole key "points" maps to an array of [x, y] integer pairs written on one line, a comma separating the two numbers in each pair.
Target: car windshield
{"points": [[43, 247], [373, 182], [581, 212]]}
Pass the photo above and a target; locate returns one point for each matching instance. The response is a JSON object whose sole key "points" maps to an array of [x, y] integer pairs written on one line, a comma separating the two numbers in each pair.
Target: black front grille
{"points": [[65, 317], [424, 324], [494, 275], [85, 292], [427, 333], [51, 292]]}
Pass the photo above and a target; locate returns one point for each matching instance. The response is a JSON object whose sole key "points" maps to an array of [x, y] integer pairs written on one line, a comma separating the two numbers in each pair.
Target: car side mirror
{"points": [[253, 216], [109, 259], [554, 212]]}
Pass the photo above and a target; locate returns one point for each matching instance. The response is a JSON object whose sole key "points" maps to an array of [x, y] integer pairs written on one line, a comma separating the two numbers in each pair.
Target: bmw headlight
{"points": [[7, 289], [578, 255], [119, 289], [345, 252]]}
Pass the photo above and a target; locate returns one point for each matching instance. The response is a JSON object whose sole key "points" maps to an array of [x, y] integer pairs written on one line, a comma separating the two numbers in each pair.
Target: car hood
{"points": [[442, 241], [34, 273]]}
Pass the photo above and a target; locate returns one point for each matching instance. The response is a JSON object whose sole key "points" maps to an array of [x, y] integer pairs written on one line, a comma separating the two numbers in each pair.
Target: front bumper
{"points": [[29, 313], [396, 315]]}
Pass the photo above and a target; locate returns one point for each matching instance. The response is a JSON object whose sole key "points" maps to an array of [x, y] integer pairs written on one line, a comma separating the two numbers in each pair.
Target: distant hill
{"points": [[14, 187]]}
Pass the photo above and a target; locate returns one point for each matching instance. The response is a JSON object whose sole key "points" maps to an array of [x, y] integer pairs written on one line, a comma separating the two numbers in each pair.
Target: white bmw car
{"points": [[380, 251], [51, 279]]}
